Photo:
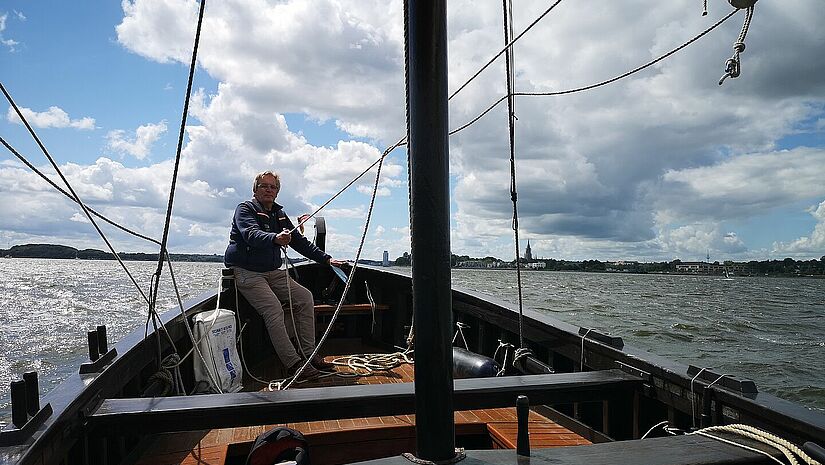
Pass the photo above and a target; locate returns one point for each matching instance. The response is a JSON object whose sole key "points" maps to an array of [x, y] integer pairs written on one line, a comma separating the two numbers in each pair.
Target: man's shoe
{"points": [[321, 364], [308, 373]]}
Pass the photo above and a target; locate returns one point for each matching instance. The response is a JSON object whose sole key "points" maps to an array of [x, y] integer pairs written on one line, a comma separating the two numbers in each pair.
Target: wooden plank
{"points": [[543, 432], [155, 415], [215, 455], [350, 309]]}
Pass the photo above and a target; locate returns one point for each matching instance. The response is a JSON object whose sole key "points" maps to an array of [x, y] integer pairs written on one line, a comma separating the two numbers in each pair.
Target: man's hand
{"points": [[333, 262], [283, 237]]}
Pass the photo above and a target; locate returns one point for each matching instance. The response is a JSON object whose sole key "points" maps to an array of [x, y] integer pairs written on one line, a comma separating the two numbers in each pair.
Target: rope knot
{"points": [[739, 47], [732, 68]]}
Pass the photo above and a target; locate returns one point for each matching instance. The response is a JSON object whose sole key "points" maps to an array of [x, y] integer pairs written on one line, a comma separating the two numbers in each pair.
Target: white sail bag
{"points": [[215, 332]]}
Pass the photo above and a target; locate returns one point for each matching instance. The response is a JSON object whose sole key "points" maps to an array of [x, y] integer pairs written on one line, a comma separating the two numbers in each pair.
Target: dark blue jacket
{"points": [[252, 240]]}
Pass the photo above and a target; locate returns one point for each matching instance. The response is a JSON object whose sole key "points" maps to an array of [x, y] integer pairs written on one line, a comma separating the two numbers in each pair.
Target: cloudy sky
{"points": [[665, 164]]}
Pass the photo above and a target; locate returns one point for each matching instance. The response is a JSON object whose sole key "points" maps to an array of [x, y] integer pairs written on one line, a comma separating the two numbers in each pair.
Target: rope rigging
{"points": [[508, 46], [598, 84], [403, 140], [511, 117], [62, 191], [733, 66], [74, 195], [165, 237], [732, 71], [349, 278]]}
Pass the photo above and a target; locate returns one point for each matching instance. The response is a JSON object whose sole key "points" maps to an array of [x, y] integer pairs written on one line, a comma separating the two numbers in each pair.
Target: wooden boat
{"points": [[608, 395], [592, 400]]}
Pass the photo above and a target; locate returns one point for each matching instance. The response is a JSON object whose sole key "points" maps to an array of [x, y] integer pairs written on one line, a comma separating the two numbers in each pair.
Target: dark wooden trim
{"points": [[15, 436], [704, 377], [671, 450], [251, 408], [99, 364]]}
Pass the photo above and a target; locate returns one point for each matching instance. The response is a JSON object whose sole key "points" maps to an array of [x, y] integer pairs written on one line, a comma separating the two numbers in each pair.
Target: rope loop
{"points": [[507, 348], [460, 327]]}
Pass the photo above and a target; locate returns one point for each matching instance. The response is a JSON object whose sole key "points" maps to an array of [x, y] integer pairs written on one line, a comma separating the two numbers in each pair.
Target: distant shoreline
{"points": [[772, 268], [62, 252]]}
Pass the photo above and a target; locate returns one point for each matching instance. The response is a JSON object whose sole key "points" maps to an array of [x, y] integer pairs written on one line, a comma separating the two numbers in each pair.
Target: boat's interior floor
{"points": [[352, 439]]}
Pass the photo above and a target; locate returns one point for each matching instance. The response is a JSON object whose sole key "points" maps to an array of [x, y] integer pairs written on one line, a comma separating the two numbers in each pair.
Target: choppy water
{"points": [[47, 306], [768, 329]]}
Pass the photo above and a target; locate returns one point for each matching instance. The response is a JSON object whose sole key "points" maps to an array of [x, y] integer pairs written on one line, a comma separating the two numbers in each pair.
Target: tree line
{"points": [[785, 267], [65, 252]]}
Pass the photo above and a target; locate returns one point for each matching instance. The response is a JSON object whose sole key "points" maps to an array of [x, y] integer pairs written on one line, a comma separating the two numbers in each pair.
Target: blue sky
{"points": [[663, 165]]}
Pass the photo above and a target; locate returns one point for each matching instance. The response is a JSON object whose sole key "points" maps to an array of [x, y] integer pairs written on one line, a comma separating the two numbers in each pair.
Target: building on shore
{"points": [[713, 268]]}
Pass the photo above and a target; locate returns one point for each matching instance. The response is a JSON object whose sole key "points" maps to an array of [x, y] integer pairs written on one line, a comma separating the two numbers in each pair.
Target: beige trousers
{"points": [[268, 293]]}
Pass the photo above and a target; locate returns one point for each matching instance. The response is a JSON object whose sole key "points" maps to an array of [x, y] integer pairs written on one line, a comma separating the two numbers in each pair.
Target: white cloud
{"points": [[201, 230], [380, 192], [54, 117], [806, 246], [7, 42], [378, 231], [697, 240], [167, 37], [140, 145], [359, 212], [741, 186], [327, 59]]}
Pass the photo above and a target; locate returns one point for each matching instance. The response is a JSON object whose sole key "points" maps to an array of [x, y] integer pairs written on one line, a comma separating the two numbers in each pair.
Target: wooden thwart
{"points": [[327, 403], [350, 309]]}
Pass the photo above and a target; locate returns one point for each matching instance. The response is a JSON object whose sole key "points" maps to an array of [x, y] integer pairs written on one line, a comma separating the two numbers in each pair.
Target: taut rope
{"points": [[511, 117], [598, 84]]}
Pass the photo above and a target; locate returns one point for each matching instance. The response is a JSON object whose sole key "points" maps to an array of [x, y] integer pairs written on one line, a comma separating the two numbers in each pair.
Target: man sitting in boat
{"points": [[260, 228]]}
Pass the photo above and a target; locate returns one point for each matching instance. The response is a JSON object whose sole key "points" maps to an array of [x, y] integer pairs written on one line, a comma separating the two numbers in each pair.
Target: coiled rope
{"points": [[788, 449]]}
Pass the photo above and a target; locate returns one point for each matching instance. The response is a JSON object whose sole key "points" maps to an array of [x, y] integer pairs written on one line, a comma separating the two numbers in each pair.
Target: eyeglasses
{"points": [[268, 186]]}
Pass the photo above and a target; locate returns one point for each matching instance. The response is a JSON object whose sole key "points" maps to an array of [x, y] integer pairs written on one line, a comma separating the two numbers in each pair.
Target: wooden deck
{"points": [[354, 439]]}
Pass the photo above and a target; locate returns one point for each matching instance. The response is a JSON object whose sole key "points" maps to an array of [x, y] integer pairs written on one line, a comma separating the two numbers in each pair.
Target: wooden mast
{"points": [[430, 225]]}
